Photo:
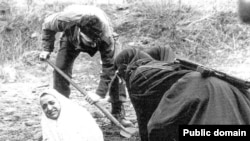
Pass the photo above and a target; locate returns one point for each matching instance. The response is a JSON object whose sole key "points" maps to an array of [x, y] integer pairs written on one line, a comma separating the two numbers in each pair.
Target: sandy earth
{"points": [[19, 90], [20, 114], [19, 103], [22, 81]]}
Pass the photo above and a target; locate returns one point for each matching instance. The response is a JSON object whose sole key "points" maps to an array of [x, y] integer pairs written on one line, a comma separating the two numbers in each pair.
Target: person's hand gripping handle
{"points": [[44, 55], [126, 132]]}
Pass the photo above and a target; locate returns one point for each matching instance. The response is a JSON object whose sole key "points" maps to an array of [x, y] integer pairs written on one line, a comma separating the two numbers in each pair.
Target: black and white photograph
{"points": [[124, 70]]}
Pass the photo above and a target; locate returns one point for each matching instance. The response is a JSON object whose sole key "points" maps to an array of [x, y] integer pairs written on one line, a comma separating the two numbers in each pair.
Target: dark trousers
{"points": [[117, 92], [65, 60]]}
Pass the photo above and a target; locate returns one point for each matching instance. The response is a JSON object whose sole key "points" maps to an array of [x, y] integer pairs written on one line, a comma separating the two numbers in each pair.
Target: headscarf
{"points": [[128, 57], [165, 54], [74, 123]]}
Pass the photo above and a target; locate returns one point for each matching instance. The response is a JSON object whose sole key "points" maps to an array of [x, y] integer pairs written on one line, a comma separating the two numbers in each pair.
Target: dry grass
{"points": [[22, 31], [209, 32], [205, 31]]}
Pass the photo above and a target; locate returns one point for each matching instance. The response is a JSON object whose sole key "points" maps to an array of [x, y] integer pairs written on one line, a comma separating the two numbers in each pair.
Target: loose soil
{"points": [[19, 101]]}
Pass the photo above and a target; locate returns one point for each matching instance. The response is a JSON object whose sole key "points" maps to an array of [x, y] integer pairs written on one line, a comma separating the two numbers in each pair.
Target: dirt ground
{"points": [[19, 89], [19, 102], [20, 114], [20, 86]]}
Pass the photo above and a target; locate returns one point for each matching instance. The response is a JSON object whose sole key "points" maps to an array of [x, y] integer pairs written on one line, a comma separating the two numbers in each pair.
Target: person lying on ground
{"points": [[64, 120], [84, 29], [165, 95]]}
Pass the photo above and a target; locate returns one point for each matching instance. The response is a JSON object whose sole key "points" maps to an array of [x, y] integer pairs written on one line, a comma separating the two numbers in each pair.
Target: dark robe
{"points": [[176, 96], [159, 53], [146, 79], [196, 100]]}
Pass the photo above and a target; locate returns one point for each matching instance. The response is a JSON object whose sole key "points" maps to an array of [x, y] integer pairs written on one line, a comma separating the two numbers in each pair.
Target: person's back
{"points": [[195, 100], [85, 29], [146, 79], [166, 95], [161, 53]]}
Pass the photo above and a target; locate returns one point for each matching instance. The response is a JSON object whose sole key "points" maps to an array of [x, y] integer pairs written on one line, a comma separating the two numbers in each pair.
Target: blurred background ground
{"points": [[208, 32]]}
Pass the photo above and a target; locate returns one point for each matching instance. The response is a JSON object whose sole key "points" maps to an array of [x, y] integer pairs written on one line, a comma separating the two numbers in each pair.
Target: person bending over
{"points": [[165, 95], [85, 29]]}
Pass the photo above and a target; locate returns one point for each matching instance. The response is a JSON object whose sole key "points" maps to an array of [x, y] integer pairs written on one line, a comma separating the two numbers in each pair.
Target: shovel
{"points": [[126, 132]]}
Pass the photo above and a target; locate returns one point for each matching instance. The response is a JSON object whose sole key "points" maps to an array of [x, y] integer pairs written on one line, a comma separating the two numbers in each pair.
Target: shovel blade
{"points": [[130, 131]]}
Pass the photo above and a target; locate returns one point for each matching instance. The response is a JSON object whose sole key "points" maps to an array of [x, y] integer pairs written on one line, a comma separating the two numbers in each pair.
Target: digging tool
{"points": [[126, 132]]}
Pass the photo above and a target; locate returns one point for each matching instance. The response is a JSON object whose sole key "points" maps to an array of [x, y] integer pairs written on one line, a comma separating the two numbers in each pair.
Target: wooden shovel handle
{"points": [[105, 111]]}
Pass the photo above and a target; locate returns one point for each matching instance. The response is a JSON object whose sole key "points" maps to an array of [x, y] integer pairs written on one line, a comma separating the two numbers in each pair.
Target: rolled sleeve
{"points": [[48, 39]]}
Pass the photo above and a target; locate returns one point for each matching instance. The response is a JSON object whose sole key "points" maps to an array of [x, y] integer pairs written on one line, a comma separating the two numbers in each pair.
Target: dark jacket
{"points": [[67, 22]]}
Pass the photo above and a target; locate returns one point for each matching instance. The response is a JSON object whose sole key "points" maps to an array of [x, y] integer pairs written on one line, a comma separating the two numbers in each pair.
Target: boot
{"points": [[118, 112]]}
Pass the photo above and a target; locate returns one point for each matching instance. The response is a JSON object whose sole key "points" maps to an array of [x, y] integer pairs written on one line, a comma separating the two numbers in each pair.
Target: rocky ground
{"points": [[19, 102], [23, 80]]}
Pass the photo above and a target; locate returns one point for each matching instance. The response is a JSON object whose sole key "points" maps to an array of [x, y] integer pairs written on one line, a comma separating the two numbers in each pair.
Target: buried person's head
{"points": [[63, 119], [50, 105]]}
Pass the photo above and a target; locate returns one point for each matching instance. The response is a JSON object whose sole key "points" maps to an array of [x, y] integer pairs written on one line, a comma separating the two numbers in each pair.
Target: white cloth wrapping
{"points": [[74, 123]]}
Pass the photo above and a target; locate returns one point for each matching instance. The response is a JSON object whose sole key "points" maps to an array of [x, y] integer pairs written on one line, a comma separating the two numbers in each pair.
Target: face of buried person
{"points": [[50, 106]]}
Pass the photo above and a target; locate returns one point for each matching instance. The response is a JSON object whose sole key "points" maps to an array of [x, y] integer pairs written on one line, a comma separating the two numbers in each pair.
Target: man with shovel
{"points": [[85, 29]]}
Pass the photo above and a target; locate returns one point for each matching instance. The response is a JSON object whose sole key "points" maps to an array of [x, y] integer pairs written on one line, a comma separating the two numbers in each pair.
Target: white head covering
{"points": [[74, 123]]}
